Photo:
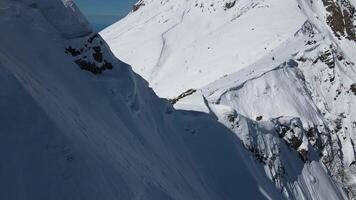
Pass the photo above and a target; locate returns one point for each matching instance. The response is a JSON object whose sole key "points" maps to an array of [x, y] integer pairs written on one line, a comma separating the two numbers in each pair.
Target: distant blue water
{"points": [[101, 14], [100, 27]]}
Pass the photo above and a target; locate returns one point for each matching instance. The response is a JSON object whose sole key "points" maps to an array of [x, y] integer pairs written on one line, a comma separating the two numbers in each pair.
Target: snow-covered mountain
{"points": [[280, 74], [77, 123]]}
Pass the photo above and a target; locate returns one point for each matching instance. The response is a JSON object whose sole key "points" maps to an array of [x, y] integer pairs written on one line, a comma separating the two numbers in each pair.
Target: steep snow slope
{"points": [[274, 72], [316, 87], [76, 123], [222, 41]]}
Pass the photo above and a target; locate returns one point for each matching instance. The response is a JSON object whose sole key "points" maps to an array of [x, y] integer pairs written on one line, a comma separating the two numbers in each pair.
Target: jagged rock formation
{"points": [[90, 56], [181, 96]]}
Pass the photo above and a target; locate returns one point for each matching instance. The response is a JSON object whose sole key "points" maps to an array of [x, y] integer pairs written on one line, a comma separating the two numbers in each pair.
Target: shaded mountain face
{"points": [[280, 74]]}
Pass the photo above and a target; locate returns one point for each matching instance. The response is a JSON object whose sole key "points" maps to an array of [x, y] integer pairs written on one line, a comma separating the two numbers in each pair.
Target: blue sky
{"points": [[105, 12]]}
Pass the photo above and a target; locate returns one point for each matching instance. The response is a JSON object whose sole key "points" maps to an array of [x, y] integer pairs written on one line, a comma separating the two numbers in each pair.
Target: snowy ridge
{"points": [[69, 132], [279, 74], [64, 16]]}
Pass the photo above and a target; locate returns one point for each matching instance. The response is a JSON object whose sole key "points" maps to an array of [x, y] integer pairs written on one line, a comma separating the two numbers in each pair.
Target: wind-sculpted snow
{"points": [[66, 133]]}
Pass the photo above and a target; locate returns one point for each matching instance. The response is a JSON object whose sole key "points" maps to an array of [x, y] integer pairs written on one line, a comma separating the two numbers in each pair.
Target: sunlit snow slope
{"points": [[285, 66], [204, 38]]}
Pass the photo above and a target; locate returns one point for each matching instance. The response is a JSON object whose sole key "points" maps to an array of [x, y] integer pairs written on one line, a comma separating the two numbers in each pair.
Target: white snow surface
{"points": [[66, 133], [200, 37], [275, 72]]}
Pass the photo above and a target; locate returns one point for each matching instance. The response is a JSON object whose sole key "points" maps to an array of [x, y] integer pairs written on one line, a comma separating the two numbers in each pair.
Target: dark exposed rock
{"points": [[72, 51], [302, 59], [259, 156], [311, 42], [259, 118], [229, 5], [308, 29], [88, 66], [97, 55], [181, 96], [295, 142], [303, 155], [327, 57], [313, 136], [137, 5], [231, 118], [287, 130], [335, 17], [338, 123], [282, 130], [91, 56], [340, 18], [349, 14], [340, 57], [353, 88], [92, 67], [106, 65]]}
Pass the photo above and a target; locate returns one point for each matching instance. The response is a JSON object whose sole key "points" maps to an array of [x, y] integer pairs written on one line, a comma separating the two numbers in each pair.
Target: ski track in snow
{"points": [[158, 66]]}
